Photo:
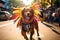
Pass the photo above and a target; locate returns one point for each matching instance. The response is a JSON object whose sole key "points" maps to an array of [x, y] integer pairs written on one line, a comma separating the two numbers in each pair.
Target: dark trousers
{"points": [[59, 21]]}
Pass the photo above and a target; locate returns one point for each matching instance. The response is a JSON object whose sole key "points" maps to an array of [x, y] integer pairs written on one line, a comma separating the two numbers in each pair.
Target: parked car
{"points": [[4, 15]]}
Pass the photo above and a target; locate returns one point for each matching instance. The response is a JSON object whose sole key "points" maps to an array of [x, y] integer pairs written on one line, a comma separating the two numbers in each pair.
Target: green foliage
{"points": [[14, 3]]}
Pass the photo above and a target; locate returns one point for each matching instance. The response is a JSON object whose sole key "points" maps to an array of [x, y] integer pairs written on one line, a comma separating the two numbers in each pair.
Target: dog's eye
{"points": [[26, 10], [30, 10]]}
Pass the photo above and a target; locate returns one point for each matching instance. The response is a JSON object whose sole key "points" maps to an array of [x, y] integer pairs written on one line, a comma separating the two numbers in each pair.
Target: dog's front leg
{"points": [[37, 30], [24, 35], [31, 34]]}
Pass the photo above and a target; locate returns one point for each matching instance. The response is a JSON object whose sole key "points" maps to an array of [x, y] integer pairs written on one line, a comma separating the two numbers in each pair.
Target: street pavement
{"points": [[47, 32]]}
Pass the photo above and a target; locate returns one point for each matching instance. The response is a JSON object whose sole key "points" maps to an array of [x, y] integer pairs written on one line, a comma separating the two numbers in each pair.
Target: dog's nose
{"points": [[28, 14]]}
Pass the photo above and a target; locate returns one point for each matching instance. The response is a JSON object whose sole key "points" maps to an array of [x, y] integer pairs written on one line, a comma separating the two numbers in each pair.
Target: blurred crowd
{"points": [[50, 15]]}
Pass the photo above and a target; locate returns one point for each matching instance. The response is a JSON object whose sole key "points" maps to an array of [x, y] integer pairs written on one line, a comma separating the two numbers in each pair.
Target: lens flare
{"points": [[27, 2]]}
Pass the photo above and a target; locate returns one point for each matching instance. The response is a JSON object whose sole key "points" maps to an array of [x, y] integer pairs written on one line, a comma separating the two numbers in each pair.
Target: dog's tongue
{"points": [[27, 17]]}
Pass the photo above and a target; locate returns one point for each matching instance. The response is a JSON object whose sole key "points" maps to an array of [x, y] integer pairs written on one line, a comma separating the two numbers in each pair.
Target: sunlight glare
{"points": [[27, 2]]}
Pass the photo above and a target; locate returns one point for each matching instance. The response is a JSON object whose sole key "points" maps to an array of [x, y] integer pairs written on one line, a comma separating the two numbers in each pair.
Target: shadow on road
{"points": [[52, 28]]}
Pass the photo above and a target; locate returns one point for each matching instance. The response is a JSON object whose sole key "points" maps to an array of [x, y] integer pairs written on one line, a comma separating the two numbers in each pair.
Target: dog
{"points": [[28, 23]]}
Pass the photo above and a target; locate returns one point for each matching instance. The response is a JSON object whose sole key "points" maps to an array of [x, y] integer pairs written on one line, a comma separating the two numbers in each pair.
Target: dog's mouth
{"points": [[28, 17]]}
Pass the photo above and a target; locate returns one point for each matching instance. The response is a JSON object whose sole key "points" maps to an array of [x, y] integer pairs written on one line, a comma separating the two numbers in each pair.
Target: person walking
{"points": [[2, 3]]}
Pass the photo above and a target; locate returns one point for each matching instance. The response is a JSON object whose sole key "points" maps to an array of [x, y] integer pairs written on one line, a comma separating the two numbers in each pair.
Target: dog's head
{"points": [[27, 13]]}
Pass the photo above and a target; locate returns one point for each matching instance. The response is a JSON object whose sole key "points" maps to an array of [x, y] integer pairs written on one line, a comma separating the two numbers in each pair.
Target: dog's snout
{"points": [[28, 14]]}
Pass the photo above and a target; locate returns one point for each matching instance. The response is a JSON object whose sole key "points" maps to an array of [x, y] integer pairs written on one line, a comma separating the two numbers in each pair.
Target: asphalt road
{"points": [[46, 31]]}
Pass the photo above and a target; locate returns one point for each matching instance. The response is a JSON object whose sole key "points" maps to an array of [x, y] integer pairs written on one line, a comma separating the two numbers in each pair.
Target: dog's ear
{"points": [[23, 11], [32, 11]]}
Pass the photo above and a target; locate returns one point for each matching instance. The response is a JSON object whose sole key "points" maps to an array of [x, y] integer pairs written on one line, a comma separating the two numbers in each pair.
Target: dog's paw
{"points": [[32, 39], [39, 38], [27, 39]]}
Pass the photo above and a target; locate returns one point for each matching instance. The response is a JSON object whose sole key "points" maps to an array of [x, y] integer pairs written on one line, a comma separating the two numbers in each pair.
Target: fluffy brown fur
{"points": [[28, 19]]}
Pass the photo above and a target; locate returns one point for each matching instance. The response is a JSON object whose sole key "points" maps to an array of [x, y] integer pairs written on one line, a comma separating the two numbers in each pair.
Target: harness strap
{"points": [[26, 27]]}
